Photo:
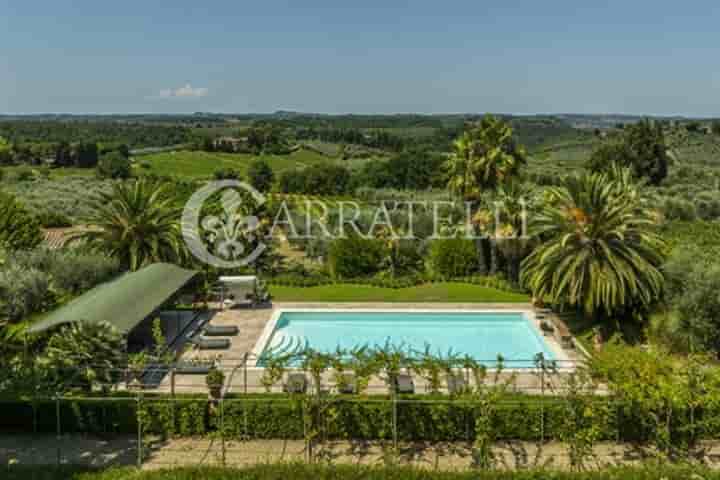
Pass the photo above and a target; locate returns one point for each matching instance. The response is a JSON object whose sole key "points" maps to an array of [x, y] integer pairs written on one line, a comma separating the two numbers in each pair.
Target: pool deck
{"points": [[252, 323]]}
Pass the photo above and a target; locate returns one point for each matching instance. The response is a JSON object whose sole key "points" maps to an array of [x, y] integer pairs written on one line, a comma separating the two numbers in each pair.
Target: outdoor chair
{"points": [[456, 383], [211, 343], [404, 384], [220, 330], [296, 383]]}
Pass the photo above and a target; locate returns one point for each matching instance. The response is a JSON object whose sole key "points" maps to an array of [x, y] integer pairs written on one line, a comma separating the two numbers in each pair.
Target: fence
{"points": [[515, 417]]}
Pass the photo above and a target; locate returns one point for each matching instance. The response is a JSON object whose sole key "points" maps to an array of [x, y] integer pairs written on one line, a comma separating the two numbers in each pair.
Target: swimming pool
{"points": [[481, 334]]}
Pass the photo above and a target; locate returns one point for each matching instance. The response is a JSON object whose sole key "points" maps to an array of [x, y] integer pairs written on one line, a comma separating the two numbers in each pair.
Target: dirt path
{"points": [[106, 451]]}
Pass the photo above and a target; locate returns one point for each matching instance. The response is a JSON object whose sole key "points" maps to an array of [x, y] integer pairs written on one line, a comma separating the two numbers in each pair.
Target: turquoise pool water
{"points": [[482, 335]]}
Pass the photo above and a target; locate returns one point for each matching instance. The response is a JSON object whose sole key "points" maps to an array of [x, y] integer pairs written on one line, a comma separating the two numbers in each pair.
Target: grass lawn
{"points": [[434, 292], [203, 164]]}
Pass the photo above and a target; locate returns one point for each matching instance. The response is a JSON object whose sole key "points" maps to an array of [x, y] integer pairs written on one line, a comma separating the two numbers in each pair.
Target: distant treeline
{"points": [[59, 154], [131, 134]]}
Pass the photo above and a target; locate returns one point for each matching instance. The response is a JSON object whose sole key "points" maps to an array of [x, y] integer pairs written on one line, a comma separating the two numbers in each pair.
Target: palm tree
{"points": [[496, 156], [459, 168], [483, 158], [600, 248], [502, 219], [137, 223]]}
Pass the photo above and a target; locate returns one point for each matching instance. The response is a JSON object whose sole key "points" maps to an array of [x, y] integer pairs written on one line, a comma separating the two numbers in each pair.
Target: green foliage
{"points": [[316, 180], [33, 281], [260, 175], [323, 471], [215, 379], [410, 170], [455, 257], [697, 307], [19, 230], [355, 256], [227, 173], [137, 223], [483, 157], [23, 291], [642, 148], [666, 400], [114, 165], [600, 248], [82, 355]]}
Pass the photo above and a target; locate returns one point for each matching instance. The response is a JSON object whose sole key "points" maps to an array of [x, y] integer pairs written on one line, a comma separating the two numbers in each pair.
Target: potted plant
{"points": [[215, 380]]}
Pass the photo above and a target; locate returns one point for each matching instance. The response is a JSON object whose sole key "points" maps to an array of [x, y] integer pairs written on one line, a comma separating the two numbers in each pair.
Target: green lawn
{"points": [[434, 292], [204, 164]]}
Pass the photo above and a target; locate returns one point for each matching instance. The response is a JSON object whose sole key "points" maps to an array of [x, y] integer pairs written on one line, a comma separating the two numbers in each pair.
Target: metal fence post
{"points": [[394, 422], [542, 402], [58, 432], [245, 377], [222, 428], [139, 430]]}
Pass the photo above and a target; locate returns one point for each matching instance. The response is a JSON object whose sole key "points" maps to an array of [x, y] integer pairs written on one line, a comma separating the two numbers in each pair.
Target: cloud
{"points": [[187, 91]]}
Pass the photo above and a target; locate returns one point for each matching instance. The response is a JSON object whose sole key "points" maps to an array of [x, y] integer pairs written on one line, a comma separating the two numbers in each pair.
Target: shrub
{"points": [[456, 257], [355, 256], [23, 291], [316, 180], [19, 230], [679, 209], [114, 165], [260, 175], [74, 272], [227, 174]]}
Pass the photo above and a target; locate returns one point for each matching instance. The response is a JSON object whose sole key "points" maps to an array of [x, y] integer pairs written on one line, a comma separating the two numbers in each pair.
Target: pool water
{"points": [[482, 335]]}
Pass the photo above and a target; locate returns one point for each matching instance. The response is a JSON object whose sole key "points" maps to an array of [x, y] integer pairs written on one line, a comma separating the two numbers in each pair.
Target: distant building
{"points": [[230, 143]]}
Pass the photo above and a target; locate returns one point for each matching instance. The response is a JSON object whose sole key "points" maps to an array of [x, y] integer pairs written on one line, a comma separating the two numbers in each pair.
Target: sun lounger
{"points": [[211, 343], [220, 330], [546, 328], [404, 384], [193, 368], [296, 383]]}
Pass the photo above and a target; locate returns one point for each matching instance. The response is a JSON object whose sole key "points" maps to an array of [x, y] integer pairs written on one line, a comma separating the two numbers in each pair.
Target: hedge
{"points": [[298, 471], [419, 418], [297, 280]]}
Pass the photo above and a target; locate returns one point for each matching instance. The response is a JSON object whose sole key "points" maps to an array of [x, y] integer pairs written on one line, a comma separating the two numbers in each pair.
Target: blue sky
{"points": [[631, 56]]}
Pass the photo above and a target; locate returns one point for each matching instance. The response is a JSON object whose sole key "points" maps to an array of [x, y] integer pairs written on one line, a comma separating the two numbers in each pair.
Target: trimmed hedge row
{"points": [[297, 280], [363, 418]]}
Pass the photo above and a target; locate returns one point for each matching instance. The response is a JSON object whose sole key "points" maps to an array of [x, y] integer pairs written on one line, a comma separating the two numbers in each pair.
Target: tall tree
{"points": [[261, 176], [460, 168], [599, 248], [484, 157], [137, 223], [642, 148]]}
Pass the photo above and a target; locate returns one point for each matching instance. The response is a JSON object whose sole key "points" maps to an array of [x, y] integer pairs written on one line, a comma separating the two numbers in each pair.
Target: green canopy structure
{"points": [[124, 302]]}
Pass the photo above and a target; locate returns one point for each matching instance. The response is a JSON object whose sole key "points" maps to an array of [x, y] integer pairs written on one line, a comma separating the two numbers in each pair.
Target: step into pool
{"points": [[481, 334]]}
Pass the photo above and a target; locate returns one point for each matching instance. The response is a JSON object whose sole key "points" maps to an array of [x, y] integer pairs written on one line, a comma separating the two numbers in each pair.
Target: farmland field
{"points": [[196, 164]]}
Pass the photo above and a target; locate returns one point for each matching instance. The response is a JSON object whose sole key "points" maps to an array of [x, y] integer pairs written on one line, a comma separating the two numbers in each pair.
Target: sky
{"points": [[653, 57]]}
